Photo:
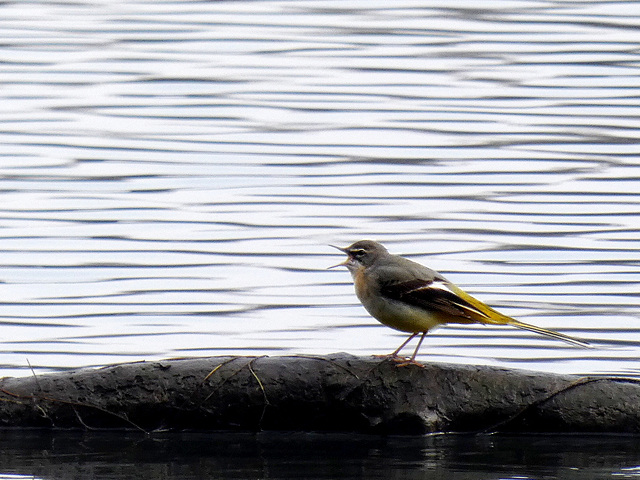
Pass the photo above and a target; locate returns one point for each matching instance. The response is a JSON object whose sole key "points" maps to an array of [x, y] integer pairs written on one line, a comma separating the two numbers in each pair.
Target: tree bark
{"points": [[335, 393]]}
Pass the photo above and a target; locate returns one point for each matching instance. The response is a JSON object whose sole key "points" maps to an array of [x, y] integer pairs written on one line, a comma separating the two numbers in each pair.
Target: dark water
{"points": [[286, 456], [171, 174]]}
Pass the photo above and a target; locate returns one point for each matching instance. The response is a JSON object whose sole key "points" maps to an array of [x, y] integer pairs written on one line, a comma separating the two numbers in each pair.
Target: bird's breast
{"points": [[394, 313]]}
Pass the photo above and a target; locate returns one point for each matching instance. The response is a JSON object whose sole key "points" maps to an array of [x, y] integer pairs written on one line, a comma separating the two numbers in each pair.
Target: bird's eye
{"points": [[358, 253]]}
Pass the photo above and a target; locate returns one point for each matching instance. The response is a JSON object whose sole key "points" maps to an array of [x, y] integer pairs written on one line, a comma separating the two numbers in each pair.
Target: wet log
{"points": [[335, 393]]}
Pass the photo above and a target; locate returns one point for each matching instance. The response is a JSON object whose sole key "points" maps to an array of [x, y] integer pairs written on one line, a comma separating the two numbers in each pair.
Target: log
{"points": [[334, 393]]}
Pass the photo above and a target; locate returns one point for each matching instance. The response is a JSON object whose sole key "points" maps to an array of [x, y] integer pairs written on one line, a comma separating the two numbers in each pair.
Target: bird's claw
{"points": [[406, 363], [400, 361]]}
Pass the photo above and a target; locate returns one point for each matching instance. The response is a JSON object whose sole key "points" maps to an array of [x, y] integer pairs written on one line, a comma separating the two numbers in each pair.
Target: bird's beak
{"points": [[343, 264]]}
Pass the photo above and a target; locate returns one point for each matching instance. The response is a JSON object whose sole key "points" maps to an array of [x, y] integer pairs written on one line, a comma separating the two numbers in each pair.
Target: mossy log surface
{"points": [[334, 393]]}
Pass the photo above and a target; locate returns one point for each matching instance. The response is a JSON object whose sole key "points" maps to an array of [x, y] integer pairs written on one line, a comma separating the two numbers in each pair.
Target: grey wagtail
{"points": [[409, 297]]}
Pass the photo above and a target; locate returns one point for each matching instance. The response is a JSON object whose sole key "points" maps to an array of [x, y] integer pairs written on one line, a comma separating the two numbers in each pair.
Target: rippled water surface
{"points": [[172, 173]]}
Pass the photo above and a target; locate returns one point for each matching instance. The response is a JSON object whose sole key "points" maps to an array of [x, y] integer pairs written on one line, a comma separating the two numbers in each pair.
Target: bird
{"points": [[407, 296]]}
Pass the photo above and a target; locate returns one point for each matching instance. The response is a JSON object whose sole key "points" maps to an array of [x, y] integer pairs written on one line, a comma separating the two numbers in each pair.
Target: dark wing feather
{"points": [[429, 295]]}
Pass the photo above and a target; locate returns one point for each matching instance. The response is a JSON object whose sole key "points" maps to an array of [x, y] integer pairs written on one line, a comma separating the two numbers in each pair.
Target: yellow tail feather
{"points": [[483, 313]]}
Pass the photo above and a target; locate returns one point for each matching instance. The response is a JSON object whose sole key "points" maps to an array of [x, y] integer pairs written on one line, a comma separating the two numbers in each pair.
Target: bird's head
{"points": [[363, 253]]}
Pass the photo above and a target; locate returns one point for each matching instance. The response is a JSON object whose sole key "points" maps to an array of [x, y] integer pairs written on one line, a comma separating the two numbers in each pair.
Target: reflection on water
{"points": [[172, 173], [286, 456]]}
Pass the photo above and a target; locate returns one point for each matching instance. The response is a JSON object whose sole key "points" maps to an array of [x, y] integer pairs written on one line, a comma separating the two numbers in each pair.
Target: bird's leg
{"points": [[397, 351], [415, 352], [394, 355], [413, 361]]}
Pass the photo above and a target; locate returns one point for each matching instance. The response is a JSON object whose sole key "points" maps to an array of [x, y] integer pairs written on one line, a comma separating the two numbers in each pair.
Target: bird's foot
{"points": [[400, 361], [406, 363]]}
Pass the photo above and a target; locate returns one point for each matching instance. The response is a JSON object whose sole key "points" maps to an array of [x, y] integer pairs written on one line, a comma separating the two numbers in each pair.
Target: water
{"points": [[286, 456], [172, 173]]}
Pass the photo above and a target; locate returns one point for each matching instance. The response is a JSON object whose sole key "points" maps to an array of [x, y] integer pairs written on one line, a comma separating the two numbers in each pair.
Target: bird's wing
{"points": [[423, 288], [434, 294], [417, 285]]}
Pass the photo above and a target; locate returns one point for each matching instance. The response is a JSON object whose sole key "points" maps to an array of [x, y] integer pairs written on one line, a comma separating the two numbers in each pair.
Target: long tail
{"points": [[550, 333], [483, 313]]}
